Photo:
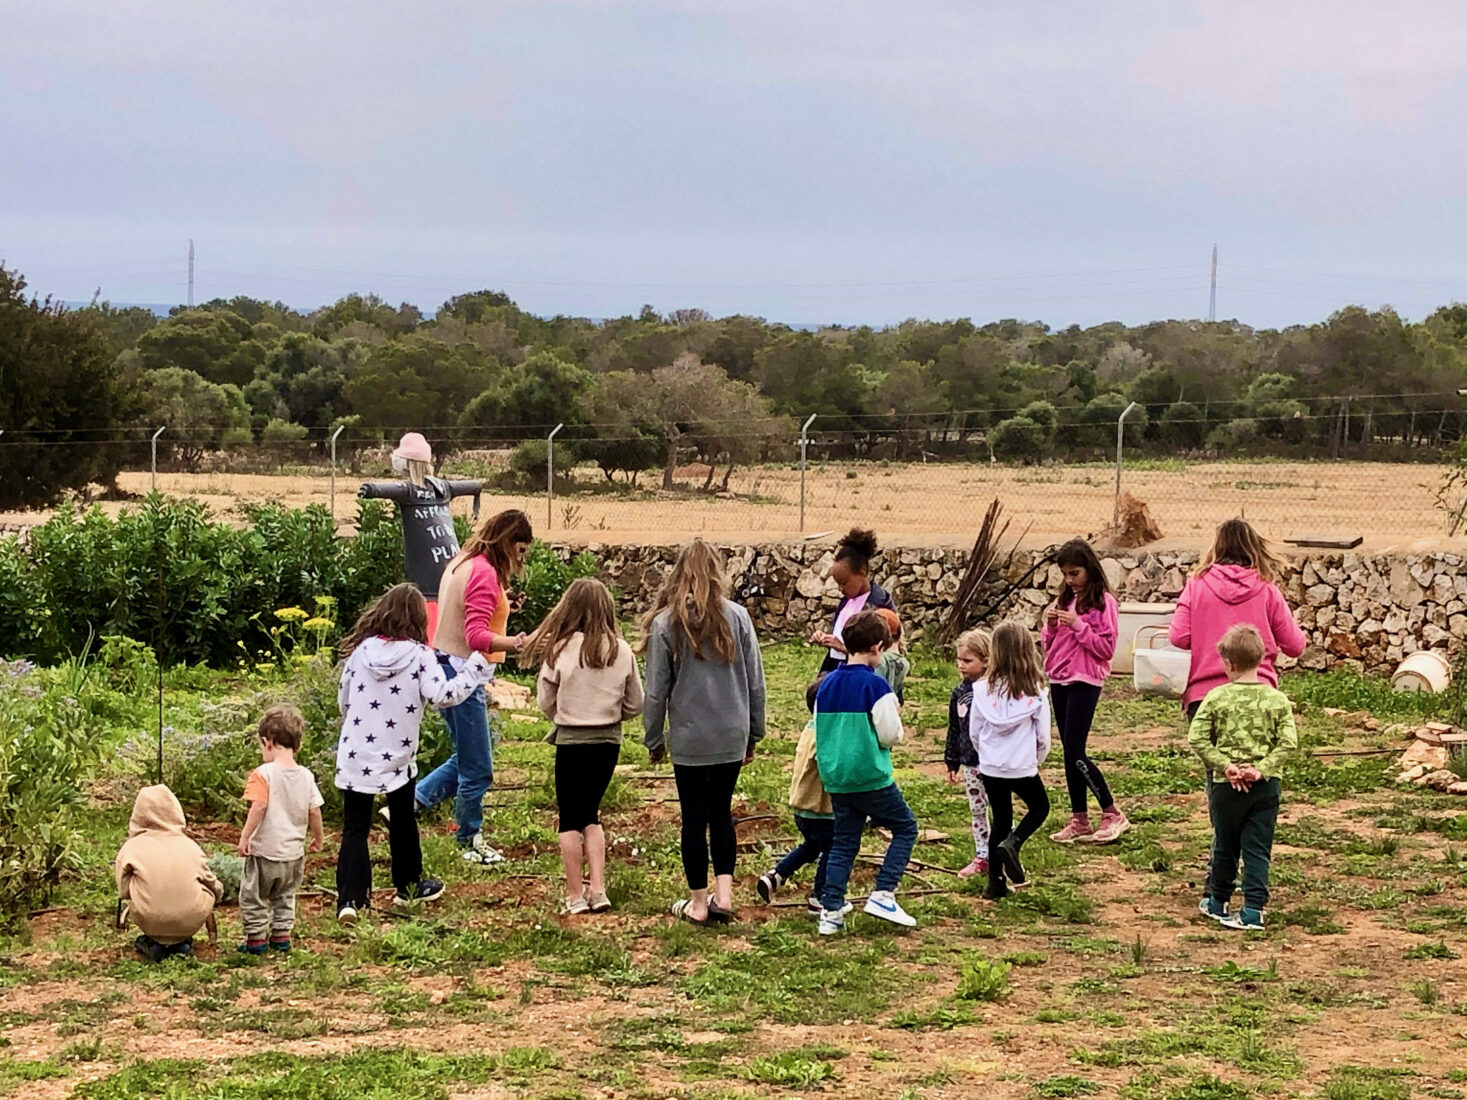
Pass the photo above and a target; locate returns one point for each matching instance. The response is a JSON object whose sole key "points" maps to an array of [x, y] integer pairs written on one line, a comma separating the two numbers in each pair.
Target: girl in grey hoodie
{"points": [[704, 704]]}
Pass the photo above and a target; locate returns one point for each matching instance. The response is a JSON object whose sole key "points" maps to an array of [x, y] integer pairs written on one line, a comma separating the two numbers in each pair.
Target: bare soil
{"points": [[1390, 505]]}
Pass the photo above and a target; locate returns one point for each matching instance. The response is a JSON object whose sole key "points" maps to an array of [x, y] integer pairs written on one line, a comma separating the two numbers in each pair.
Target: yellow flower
{"points": [[290, 614], [325, 602], [318, 623]]}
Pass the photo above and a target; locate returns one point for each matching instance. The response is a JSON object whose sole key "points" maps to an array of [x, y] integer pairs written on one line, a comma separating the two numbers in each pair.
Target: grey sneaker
{"points": [[481, 853], [576, 906], [598, 902]]}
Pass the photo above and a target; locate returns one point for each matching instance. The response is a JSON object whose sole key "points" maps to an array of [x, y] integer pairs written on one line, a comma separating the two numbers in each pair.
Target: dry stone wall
{"points": [[1361, 611]]}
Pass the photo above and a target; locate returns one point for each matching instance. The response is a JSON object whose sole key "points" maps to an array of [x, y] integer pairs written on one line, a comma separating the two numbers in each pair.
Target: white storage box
{"points": [[1159, 669]]}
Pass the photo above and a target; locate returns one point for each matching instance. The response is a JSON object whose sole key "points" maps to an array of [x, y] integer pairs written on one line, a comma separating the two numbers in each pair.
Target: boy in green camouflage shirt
{"points": [[1243, 731]]}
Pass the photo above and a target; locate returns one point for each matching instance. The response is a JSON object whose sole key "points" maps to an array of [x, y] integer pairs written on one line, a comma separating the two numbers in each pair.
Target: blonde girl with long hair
{"points": [[474, 605], [1009, 725], [974, 650], [588, 685], [1237, 581], [704, 706]]}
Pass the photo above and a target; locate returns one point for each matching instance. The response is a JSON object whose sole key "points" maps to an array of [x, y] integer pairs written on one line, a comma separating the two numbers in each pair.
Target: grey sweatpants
{"points": [[267, 891]]}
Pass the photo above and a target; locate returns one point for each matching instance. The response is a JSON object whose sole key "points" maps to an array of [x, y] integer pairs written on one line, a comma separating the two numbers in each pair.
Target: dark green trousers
{"points": [[1242, 826]]}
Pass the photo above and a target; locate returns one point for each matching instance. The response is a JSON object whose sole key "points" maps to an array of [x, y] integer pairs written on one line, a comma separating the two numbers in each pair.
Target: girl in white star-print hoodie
{"points": [[389, 678]]}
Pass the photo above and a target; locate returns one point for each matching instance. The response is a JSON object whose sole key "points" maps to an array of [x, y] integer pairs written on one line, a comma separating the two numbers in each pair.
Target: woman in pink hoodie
{"points": [[1236, 582], [1079, 636]]}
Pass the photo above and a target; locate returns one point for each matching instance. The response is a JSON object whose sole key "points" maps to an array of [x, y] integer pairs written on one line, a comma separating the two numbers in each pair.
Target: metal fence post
{"points": [[339, 429], [1120, 440], [804, 445], [160, 431], [550, 476]]}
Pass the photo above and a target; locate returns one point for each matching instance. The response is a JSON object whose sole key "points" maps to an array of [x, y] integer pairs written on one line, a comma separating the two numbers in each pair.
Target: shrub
{"points": [[202, 592], [1017, 439], [546, 577], [1044, 414], [49, 743]]}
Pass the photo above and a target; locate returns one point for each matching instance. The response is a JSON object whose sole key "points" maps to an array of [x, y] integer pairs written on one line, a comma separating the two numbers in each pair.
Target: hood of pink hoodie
{"points": [[1233, 584]]}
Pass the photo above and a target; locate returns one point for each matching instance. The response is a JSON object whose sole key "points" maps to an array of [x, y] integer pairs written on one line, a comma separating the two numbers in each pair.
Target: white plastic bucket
{"points": [[1425, 670], [1131, 618], [1159, 670]]}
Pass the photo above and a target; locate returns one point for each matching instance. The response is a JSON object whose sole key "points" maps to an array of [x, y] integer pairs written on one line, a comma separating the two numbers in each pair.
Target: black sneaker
{"points": [[427, 889], [997, 890], [1008, 855], [767, 886], [149, 949]]}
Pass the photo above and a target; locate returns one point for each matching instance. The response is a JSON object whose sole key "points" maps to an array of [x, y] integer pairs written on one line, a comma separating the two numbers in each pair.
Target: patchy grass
{"points": [[1099, 979]]}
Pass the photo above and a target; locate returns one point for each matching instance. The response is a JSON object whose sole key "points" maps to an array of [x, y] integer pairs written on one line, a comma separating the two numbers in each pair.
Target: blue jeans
{"points": [[884, 807], [469, 772], [818, 833]]}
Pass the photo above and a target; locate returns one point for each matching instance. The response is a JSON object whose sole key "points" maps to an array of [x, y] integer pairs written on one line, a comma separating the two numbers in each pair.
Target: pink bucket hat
{"points": [[414, 448]]}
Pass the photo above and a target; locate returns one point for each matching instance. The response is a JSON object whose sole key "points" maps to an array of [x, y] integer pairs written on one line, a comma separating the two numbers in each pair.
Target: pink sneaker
{"points": [[979, 866], [1112, 825], [1077, 828]]}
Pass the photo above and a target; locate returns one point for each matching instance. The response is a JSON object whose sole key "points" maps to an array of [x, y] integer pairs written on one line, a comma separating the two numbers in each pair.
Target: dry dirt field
{"points": [[1388, 504]]}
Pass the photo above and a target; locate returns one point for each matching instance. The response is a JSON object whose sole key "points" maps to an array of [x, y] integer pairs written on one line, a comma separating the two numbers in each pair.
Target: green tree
{"points": [[1017, 439], [63, 397], [199, 416], [416, 383], [530, 399], [217, 345], [367, 309]]}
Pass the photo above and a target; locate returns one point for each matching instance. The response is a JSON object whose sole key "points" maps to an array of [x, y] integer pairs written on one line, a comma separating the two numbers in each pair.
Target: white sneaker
{"points": [[481, 853], [832, 922], [346, 916], [883, 904]]}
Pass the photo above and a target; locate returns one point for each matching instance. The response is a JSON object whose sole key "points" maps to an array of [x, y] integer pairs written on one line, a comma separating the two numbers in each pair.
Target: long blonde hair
{"points": [[1014, 667], [693, 595], [1237, 543], [585, 608]]}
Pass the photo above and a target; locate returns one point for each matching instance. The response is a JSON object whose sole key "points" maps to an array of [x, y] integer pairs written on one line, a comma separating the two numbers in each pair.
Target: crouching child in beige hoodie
{"points": [[163, 880]]}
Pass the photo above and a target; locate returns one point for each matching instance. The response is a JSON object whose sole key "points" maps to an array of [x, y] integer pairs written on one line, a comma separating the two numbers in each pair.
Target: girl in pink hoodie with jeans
{"points": [[1079, 636], [1236, 582]]}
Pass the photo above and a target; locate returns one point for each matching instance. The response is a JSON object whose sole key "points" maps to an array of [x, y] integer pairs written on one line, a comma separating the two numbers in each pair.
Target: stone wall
{"points": [[1360, 611]]}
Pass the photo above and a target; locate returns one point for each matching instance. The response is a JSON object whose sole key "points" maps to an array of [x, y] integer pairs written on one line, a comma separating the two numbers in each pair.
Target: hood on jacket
{"points": [[1233, 584], [156, 810], [385, 658], [1003, 713]]}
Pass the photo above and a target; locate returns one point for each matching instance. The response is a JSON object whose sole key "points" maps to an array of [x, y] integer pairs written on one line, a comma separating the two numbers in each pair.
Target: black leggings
{"points": [[705, 794], [1074, 710], [582, 774], [354, 865], [1001, 793]]}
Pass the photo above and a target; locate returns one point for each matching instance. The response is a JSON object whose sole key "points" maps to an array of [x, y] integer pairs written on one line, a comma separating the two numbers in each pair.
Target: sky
{"points": [[801, 160]]}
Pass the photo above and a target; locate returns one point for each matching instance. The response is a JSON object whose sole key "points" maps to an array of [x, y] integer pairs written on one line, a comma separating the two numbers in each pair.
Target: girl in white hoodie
{"points": [[1009, 724], [389, 677]]}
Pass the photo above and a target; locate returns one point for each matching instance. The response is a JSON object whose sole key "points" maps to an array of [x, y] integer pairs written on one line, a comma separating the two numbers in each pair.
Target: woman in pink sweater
{"points": [[1079, 636], [1236, 582], [473, 609]]}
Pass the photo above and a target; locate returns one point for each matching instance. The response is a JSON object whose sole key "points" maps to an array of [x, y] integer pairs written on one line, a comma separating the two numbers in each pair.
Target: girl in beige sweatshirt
{"points": [[588, 685]]}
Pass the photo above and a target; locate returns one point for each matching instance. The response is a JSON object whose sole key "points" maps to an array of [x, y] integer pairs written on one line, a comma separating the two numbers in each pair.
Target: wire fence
{"points": [[914, 502]]}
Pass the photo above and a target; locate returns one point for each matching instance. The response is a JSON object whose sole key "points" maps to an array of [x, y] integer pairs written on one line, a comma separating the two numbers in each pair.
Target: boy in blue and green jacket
{"points": [[857, 721]]}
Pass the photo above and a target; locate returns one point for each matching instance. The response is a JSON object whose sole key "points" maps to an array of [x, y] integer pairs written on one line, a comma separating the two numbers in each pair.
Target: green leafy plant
{"points": [[49, 744], [983, 979]]}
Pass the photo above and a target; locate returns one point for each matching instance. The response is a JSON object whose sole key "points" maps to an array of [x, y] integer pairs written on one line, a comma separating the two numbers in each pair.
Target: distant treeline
{"points": [[650, 391]]}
